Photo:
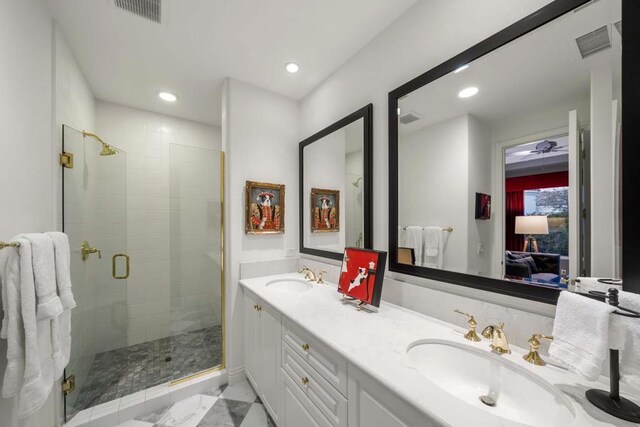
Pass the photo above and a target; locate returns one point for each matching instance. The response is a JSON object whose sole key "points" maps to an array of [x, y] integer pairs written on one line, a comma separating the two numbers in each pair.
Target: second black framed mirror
{"points": [[336, 186]]}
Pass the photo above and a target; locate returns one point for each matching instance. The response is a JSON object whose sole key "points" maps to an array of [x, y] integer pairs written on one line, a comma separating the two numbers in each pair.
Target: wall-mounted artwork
{"points": [[483, 206], [265, 208], [325, 210], [362, 275]]}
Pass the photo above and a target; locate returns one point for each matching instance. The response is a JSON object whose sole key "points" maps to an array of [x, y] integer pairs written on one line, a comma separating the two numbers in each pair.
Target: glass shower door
{"points": [[95, 219], [195, 248]]}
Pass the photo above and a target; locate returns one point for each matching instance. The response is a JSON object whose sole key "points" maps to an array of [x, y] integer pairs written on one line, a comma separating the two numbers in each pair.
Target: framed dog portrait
{"points": [[325, 210], [362, 275], [264, 208]]}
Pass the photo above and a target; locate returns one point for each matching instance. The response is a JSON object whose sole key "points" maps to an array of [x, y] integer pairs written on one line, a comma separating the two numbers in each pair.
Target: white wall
{"points": [[155, 220], [26, 146], [260, 132], [433, 184], [480, 232], [426, 35], [353, 200], [74, 106]]}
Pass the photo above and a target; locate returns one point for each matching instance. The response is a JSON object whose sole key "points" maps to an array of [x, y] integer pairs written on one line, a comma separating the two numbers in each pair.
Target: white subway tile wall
{"points": [[172, 205]]}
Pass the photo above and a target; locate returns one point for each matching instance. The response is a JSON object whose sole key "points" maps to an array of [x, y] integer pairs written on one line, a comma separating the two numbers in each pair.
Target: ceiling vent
{"points": [[148, 9], [594, 42], [410, 118]]}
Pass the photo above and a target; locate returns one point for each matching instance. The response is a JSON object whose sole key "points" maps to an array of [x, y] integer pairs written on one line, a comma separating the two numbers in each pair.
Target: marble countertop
{"points": [[377, 342]]}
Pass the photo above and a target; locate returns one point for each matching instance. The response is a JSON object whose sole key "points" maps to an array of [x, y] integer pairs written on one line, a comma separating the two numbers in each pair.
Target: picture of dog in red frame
{"points": [[358, 275]]}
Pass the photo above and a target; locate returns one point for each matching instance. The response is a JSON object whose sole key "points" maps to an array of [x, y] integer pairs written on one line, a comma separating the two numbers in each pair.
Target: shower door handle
{"points": [[127, 264]]}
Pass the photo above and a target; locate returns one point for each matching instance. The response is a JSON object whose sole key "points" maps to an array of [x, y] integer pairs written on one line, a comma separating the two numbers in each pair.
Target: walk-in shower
{"points": [[146, 264]]}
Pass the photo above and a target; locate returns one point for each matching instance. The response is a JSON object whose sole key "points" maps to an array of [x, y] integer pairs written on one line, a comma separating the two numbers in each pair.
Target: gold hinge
{"points": [[69, 384], [66, 160]]}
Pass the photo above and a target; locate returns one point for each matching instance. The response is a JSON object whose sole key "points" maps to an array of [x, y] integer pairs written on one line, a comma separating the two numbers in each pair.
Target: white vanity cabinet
{"points": [[303, 382], [371, 404], [263, 351]]}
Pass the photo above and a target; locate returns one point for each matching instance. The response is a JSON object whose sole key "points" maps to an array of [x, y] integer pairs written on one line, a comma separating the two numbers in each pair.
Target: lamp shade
{"points": [[532, 224]]}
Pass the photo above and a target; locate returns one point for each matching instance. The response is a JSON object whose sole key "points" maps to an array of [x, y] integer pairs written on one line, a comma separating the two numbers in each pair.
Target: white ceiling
{"points": [[127, 59], [541, 71]]}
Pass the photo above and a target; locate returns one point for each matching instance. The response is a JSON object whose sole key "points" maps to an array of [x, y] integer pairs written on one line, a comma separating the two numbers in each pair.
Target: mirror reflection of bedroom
{"points": [[537, 211]]}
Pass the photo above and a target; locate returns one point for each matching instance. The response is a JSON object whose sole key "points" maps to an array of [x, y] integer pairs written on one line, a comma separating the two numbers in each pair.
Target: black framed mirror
{"points": [[336, 187], [512, 156]]}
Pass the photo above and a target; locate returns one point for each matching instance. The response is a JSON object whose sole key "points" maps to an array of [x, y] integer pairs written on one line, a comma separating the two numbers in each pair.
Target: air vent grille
{"points": [[409, 118], [148, 9], [594, 41]]}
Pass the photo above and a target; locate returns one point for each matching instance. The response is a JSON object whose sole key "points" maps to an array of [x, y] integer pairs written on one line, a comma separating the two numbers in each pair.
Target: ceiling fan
{"points": [[547, 146]]}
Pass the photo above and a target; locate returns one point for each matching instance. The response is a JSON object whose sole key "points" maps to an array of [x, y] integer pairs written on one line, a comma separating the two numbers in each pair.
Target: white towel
{"points": [[630, 353], [412, 238], [63, 268], [38, 365], [12, 326], [432, 238], [49, 304], [581, 334], [61, 325]]}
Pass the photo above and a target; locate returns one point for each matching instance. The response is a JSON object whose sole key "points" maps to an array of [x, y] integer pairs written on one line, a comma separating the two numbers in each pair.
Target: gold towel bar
{"points": [[448, 229], [9, 245]]}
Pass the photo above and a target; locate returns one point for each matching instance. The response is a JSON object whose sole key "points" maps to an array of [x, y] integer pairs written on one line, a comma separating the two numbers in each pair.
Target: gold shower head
{"points": [[107, 150]]}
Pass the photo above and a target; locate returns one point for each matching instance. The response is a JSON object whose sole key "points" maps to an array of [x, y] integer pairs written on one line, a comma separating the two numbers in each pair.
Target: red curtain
{"points": [[515, 188], [514, 204], [535, 182]]}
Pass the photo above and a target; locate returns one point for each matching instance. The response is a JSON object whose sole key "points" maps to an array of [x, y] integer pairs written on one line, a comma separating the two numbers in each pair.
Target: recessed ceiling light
{"points": [[464, 67], [292, 67], [167, 96], [467, 92]]}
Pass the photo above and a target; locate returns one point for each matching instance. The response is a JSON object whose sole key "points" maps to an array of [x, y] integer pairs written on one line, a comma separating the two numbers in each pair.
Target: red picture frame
{"points": [[362, 275]]}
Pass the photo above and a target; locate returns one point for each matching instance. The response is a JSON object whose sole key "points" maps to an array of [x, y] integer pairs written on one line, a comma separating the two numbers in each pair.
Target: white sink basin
{"points": [[289, 285], [469, 374]]}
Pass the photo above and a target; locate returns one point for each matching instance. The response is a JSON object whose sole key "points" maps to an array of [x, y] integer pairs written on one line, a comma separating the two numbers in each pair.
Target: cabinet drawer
{"points": [[323, 395], [327, 362], [298, 411]]}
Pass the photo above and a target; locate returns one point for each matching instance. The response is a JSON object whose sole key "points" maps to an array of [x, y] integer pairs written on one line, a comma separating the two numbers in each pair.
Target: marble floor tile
{"points": [[257, 417], [226, 413], [187, 412], [242, 392], [135, 423]]}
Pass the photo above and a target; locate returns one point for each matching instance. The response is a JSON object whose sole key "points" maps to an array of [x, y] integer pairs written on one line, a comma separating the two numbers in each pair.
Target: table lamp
{"points": [[531, 225]]}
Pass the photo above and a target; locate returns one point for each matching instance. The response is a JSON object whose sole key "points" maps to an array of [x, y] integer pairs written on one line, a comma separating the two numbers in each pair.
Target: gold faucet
{"points": [[312, 276], [533, 356], [88, 250], [499, 342], [471, 335], [308, 273]]}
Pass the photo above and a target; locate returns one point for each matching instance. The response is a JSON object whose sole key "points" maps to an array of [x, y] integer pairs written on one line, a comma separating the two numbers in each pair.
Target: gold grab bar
{"points": [[127, 264], [9, 245]]}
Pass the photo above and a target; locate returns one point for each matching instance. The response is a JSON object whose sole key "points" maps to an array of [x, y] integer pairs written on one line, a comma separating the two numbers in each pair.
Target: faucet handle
{"points": [[320, 276], [471, 335], [303, 269], [533, 356]]}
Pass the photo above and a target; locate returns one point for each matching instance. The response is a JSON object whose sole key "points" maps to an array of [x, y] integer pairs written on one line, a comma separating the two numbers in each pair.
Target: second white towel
{"points": [[581, 334]]}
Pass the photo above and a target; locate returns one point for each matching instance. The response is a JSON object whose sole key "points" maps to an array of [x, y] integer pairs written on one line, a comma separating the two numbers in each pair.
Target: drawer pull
{"points": [[305, 347], [305, 380], [259, 307], [255, 306]]}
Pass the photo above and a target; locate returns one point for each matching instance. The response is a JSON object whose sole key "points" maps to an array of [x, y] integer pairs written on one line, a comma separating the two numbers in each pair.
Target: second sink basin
{"points": [[289, 285], [482, 379]]}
